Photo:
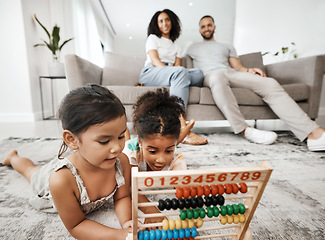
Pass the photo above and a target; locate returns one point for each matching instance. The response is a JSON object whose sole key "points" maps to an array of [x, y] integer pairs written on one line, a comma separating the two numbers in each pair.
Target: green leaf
{"points": [[276, 54], [56, 37], [66, 41], [47, 32]]}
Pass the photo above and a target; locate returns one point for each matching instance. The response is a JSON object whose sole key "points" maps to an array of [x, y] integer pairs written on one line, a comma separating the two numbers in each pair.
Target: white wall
{"points": [[263, 25]]}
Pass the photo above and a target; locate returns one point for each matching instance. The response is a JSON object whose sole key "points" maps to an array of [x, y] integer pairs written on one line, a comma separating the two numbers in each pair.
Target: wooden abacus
{"points": [[181, 184]]}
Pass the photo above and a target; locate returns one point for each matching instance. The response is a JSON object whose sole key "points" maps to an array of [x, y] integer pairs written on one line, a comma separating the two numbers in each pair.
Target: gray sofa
{"points": [[301, 78]]}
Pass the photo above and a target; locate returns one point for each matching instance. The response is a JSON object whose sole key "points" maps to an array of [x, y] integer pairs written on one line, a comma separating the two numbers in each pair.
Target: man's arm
{"points": [[236, 64]]}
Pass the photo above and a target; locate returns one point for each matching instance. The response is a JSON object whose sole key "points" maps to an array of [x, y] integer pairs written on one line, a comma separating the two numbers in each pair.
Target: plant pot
{"points": [[56, 69]]}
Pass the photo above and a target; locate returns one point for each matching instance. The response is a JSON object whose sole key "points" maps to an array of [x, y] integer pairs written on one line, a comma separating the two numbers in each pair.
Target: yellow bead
{"points": [[165, 224], [230, 219], [191, 223], [223, 220], [236, 219], [184, 224], [199, 222], [178, 223], [171, 224], [242, 218]]}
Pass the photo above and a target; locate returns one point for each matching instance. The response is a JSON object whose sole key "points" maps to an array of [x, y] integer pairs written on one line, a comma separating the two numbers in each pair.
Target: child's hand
{"points": [[154, 220], [128, 225]]}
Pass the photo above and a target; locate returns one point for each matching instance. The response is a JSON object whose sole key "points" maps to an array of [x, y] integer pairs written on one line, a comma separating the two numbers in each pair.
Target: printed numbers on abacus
{"points": [[209, 178]]}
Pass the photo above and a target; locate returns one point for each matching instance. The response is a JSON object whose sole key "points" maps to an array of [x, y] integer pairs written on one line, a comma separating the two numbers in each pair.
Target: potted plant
{"points": [[56, 67]]}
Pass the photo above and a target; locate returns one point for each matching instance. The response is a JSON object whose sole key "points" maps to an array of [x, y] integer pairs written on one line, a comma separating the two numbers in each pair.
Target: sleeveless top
{"points": [[42, 199]]}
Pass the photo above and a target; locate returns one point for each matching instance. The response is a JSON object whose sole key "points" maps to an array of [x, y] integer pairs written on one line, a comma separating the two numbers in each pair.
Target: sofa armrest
{"points": [[80, 72], [308, 70]]}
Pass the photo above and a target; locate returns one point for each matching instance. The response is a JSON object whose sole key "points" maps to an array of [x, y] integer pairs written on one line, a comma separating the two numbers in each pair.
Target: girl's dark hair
{"points": [[176, 25], [156, 112], [87, 106]]}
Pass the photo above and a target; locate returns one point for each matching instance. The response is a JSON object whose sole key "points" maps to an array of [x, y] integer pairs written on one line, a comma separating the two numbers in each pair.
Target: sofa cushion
{"points": [[121, 69], [298, 91], [251, 60], [129, 94]]}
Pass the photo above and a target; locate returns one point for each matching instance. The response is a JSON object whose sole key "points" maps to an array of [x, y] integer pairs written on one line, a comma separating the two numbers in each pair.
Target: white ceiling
{"points": [[130, 19]]}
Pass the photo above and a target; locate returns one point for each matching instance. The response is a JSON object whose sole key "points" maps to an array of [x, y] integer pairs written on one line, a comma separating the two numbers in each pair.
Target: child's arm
{"points": [[122, 197], [178, 163], [65, 194]]}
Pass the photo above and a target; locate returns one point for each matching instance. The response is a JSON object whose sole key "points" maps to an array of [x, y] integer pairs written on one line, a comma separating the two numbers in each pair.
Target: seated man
{"points": [[223, 70]]}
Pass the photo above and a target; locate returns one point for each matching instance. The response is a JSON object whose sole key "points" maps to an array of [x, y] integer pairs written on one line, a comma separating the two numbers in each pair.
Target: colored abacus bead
{"points": [[170, 234], [235, 188], [186, 192], [165, 224], [152, 234], [210, 212], [223, 210], [214, 200], [181, 203], [175, 233], [187, 232], [221, 200], [171, 223], [221, 189], [236, 219], [202, 212], [207, 190], [193, 232], [242, 208], [179, 192], [187, 203], [199, 222], [214, 189], [181, 233], [216, 211], [196, 213], [228, 188], [199, 191], [230, 209], [193, 191], [208, 201], [235, 208], [230, 219], [178, 223], [161, 205], [223, 220], [146, 235], [184, 224], [163, 234], [189, 213], [168, 204], [191, 223], [242, 218], [140, 235], [158, 234], [183, 214], [193, 202], [200, 202], [243, 187], [175, 203]]}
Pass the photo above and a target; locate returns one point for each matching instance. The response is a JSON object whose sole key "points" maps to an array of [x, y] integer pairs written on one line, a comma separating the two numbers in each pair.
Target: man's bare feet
{"points": [[10, 155], [316, 133]]}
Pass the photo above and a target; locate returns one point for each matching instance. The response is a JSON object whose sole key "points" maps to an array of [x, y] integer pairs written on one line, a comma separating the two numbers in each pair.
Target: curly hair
{"points": [[156, 112], [87, 106], [176, 25]]}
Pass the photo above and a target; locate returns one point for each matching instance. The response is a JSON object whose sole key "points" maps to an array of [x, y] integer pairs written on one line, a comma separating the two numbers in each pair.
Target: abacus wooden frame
{"points": [[256, 176]]}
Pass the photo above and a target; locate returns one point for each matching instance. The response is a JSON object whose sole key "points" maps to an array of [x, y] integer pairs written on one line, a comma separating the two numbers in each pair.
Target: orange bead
{"points": [[235, 188], [186, 192], [228, 188], [243, 187], [207, 190], [221, 189], [179, 192], [200, 190], [193, 191], [214, 190]]}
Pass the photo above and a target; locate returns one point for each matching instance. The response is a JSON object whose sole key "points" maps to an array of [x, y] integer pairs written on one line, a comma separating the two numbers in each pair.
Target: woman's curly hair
{"points": [[156, 112]]}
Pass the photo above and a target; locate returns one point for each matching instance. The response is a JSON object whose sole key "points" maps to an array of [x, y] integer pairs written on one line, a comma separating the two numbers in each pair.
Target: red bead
{"points": [[214, 189], [179, 192], [186, 192], [228, 188], [200, 190], [193, 191], [243, 187], [221, 189], [235, 188], [207, 190]]}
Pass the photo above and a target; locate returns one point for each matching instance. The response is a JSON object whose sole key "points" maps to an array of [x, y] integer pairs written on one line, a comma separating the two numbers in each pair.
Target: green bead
{"points": [[230, 210], [216, 211], [189, 213], [236, 209], [223, 210], [196, 213], [242, 208], [182, 214], [202, 213], [210, 212]]}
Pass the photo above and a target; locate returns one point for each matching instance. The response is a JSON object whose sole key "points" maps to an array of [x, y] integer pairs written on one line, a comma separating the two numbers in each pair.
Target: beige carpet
{"points": [[292, 207]]}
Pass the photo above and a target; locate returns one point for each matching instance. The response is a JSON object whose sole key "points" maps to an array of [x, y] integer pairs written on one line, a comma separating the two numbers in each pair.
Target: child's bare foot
{"points": [[10, 155], [194, 139]]}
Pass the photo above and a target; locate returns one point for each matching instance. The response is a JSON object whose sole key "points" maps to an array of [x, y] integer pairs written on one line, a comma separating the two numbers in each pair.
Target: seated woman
{"points": [[163, 64]]}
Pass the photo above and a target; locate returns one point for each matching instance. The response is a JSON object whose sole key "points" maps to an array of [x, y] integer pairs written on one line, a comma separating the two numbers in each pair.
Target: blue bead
{"points": [[175, 233], [146, 235], [170, 234], [152, 235], [181, 233], [158, 234], [140, 235], [193, 232], [187, 232], [163, 235]]}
